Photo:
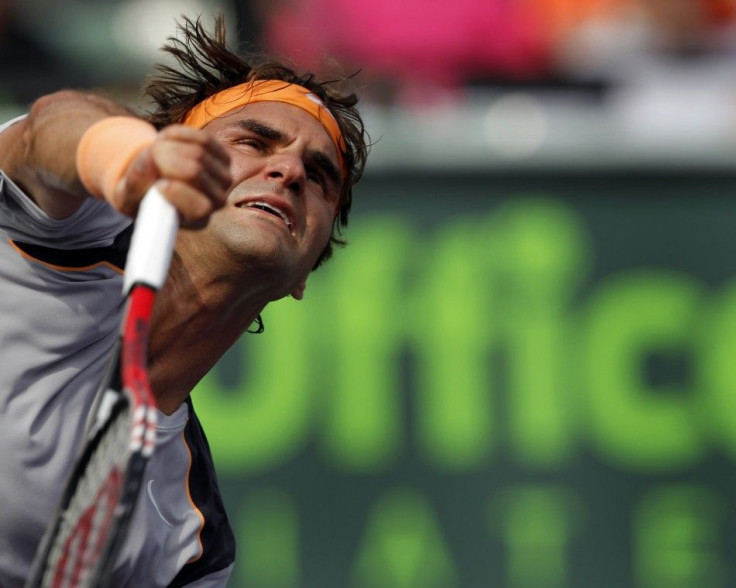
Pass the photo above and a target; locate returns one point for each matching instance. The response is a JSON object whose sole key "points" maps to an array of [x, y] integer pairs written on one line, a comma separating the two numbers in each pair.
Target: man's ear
{"points": [[298, 292]]}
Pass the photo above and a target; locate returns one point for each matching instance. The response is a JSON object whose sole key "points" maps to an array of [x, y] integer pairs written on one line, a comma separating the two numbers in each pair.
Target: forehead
{"points": [[292, 121]]}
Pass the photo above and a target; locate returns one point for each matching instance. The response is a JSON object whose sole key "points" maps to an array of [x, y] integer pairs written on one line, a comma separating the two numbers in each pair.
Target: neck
{"points": [[197, 317]]}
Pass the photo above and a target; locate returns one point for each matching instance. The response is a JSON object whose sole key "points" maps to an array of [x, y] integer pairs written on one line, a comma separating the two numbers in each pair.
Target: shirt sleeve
{"points": [[94, 224]]}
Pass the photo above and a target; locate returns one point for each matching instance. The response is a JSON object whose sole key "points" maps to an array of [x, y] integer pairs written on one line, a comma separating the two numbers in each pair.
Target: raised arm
{"points": [[39, 154]]}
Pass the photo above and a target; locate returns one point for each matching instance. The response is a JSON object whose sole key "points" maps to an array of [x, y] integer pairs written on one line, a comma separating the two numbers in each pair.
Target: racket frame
{"points": [[127, 381]]}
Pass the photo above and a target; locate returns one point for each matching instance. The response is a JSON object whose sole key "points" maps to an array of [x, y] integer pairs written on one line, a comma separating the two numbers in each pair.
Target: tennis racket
{"points": [[82, 542]]}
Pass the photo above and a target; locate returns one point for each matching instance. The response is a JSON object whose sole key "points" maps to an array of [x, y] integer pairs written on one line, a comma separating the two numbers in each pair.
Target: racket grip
{"points": [[152, 243]]}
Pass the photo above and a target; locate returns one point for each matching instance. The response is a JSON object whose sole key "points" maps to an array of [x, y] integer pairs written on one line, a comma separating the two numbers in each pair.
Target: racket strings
{"points": [[83, 533]]}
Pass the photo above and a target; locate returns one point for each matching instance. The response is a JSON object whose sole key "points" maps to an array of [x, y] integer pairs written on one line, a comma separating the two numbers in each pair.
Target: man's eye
{"points": [[251, 142], [317, 178]]}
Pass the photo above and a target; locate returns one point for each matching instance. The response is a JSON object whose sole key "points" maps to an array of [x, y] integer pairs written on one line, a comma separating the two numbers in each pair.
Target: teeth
{"points": [[268, 208]]}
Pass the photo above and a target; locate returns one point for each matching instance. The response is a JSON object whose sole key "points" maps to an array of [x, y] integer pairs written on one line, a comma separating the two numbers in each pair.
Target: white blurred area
{"points": [[117, 40], [476, 83]]}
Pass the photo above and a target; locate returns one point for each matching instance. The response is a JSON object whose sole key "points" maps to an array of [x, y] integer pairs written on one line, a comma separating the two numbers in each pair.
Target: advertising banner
{"points": [[506, 379]]}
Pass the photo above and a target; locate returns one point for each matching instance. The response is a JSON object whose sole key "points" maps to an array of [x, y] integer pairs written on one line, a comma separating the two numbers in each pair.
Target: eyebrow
{"points": [[260, 128], [318, 157]]}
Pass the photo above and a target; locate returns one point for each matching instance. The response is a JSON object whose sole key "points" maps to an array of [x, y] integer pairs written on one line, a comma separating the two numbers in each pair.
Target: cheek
{"points": [[321, 228], [240, 173], [328, 220], [242, 167]]}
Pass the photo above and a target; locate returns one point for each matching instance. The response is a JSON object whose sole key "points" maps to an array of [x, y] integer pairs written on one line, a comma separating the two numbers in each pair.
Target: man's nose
{"points": [[288, 169]]}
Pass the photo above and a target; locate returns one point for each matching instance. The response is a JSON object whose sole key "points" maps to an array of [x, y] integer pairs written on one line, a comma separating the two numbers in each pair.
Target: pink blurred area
{"points": [[442, 44], [436, 41]]}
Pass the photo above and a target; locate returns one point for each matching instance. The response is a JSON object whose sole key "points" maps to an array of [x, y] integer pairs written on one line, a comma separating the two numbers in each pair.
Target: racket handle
{"points": [[152, 243]]}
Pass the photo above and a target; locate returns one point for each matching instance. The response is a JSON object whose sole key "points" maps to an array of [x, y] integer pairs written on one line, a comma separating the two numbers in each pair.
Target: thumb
{"points": [[135, 182]]}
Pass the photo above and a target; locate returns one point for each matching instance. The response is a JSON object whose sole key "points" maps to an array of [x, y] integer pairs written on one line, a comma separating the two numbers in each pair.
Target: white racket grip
{"points": [[152, 243]]}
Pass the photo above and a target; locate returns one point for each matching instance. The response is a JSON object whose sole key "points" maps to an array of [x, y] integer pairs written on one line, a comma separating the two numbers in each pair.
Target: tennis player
{"points": [[260, 162]]}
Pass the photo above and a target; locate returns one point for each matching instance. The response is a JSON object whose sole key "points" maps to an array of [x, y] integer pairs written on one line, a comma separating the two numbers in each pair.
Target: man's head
{"points": [[207, 67]]}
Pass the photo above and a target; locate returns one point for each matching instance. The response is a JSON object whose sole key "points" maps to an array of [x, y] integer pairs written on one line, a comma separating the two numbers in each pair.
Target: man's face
{"points": [[285, 193]]}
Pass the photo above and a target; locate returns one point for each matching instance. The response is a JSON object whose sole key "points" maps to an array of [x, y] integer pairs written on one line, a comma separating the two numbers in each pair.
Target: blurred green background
{"points": [[520, 373]]}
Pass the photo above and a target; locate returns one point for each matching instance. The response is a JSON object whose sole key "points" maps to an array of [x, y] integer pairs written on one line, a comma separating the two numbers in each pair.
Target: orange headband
{"points": [[267, 91]]}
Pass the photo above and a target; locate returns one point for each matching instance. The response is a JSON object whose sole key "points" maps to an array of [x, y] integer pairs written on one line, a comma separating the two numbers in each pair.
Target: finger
{"points": [[197, 145], [139, 176], [197, 136], [193, 206], [192, 164]]}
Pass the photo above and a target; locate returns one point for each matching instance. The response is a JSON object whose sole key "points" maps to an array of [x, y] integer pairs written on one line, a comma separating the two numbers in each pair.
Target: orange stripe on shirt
{"points": [[193, 505], [62, 268]]}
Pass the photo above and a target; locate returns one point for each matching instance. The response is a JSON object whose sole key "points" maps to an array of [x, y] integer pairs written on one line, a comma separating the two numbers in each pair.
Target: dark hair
{"points": [[206, 65]]}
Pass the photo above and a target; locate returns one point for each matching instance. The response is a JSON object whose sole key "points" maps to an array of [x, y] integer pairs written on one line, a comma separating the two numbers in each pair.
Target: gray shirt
{"points": [[60, 306]]}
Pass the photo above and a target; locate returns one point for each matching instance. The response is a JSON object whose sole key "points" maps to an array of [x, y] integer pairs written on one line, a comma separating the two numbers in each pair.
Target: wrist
{"points": [[107, 148]]}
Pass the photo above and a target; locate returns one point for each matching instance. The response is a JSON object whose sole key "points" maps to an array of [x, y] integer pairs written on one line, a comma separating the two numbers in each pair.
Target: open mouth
{"points": [[269, 209]]}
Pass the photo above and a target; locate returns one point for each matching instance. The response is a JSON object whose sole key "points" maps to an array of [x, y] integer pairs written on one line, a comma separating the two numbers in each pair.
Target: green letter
{"points": [[264, 419], [268, 541], [362, 332], [403, 546], [717, 369], [676, 539], [537, 525], [452, 320], [541, 263], [629, 421]]}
